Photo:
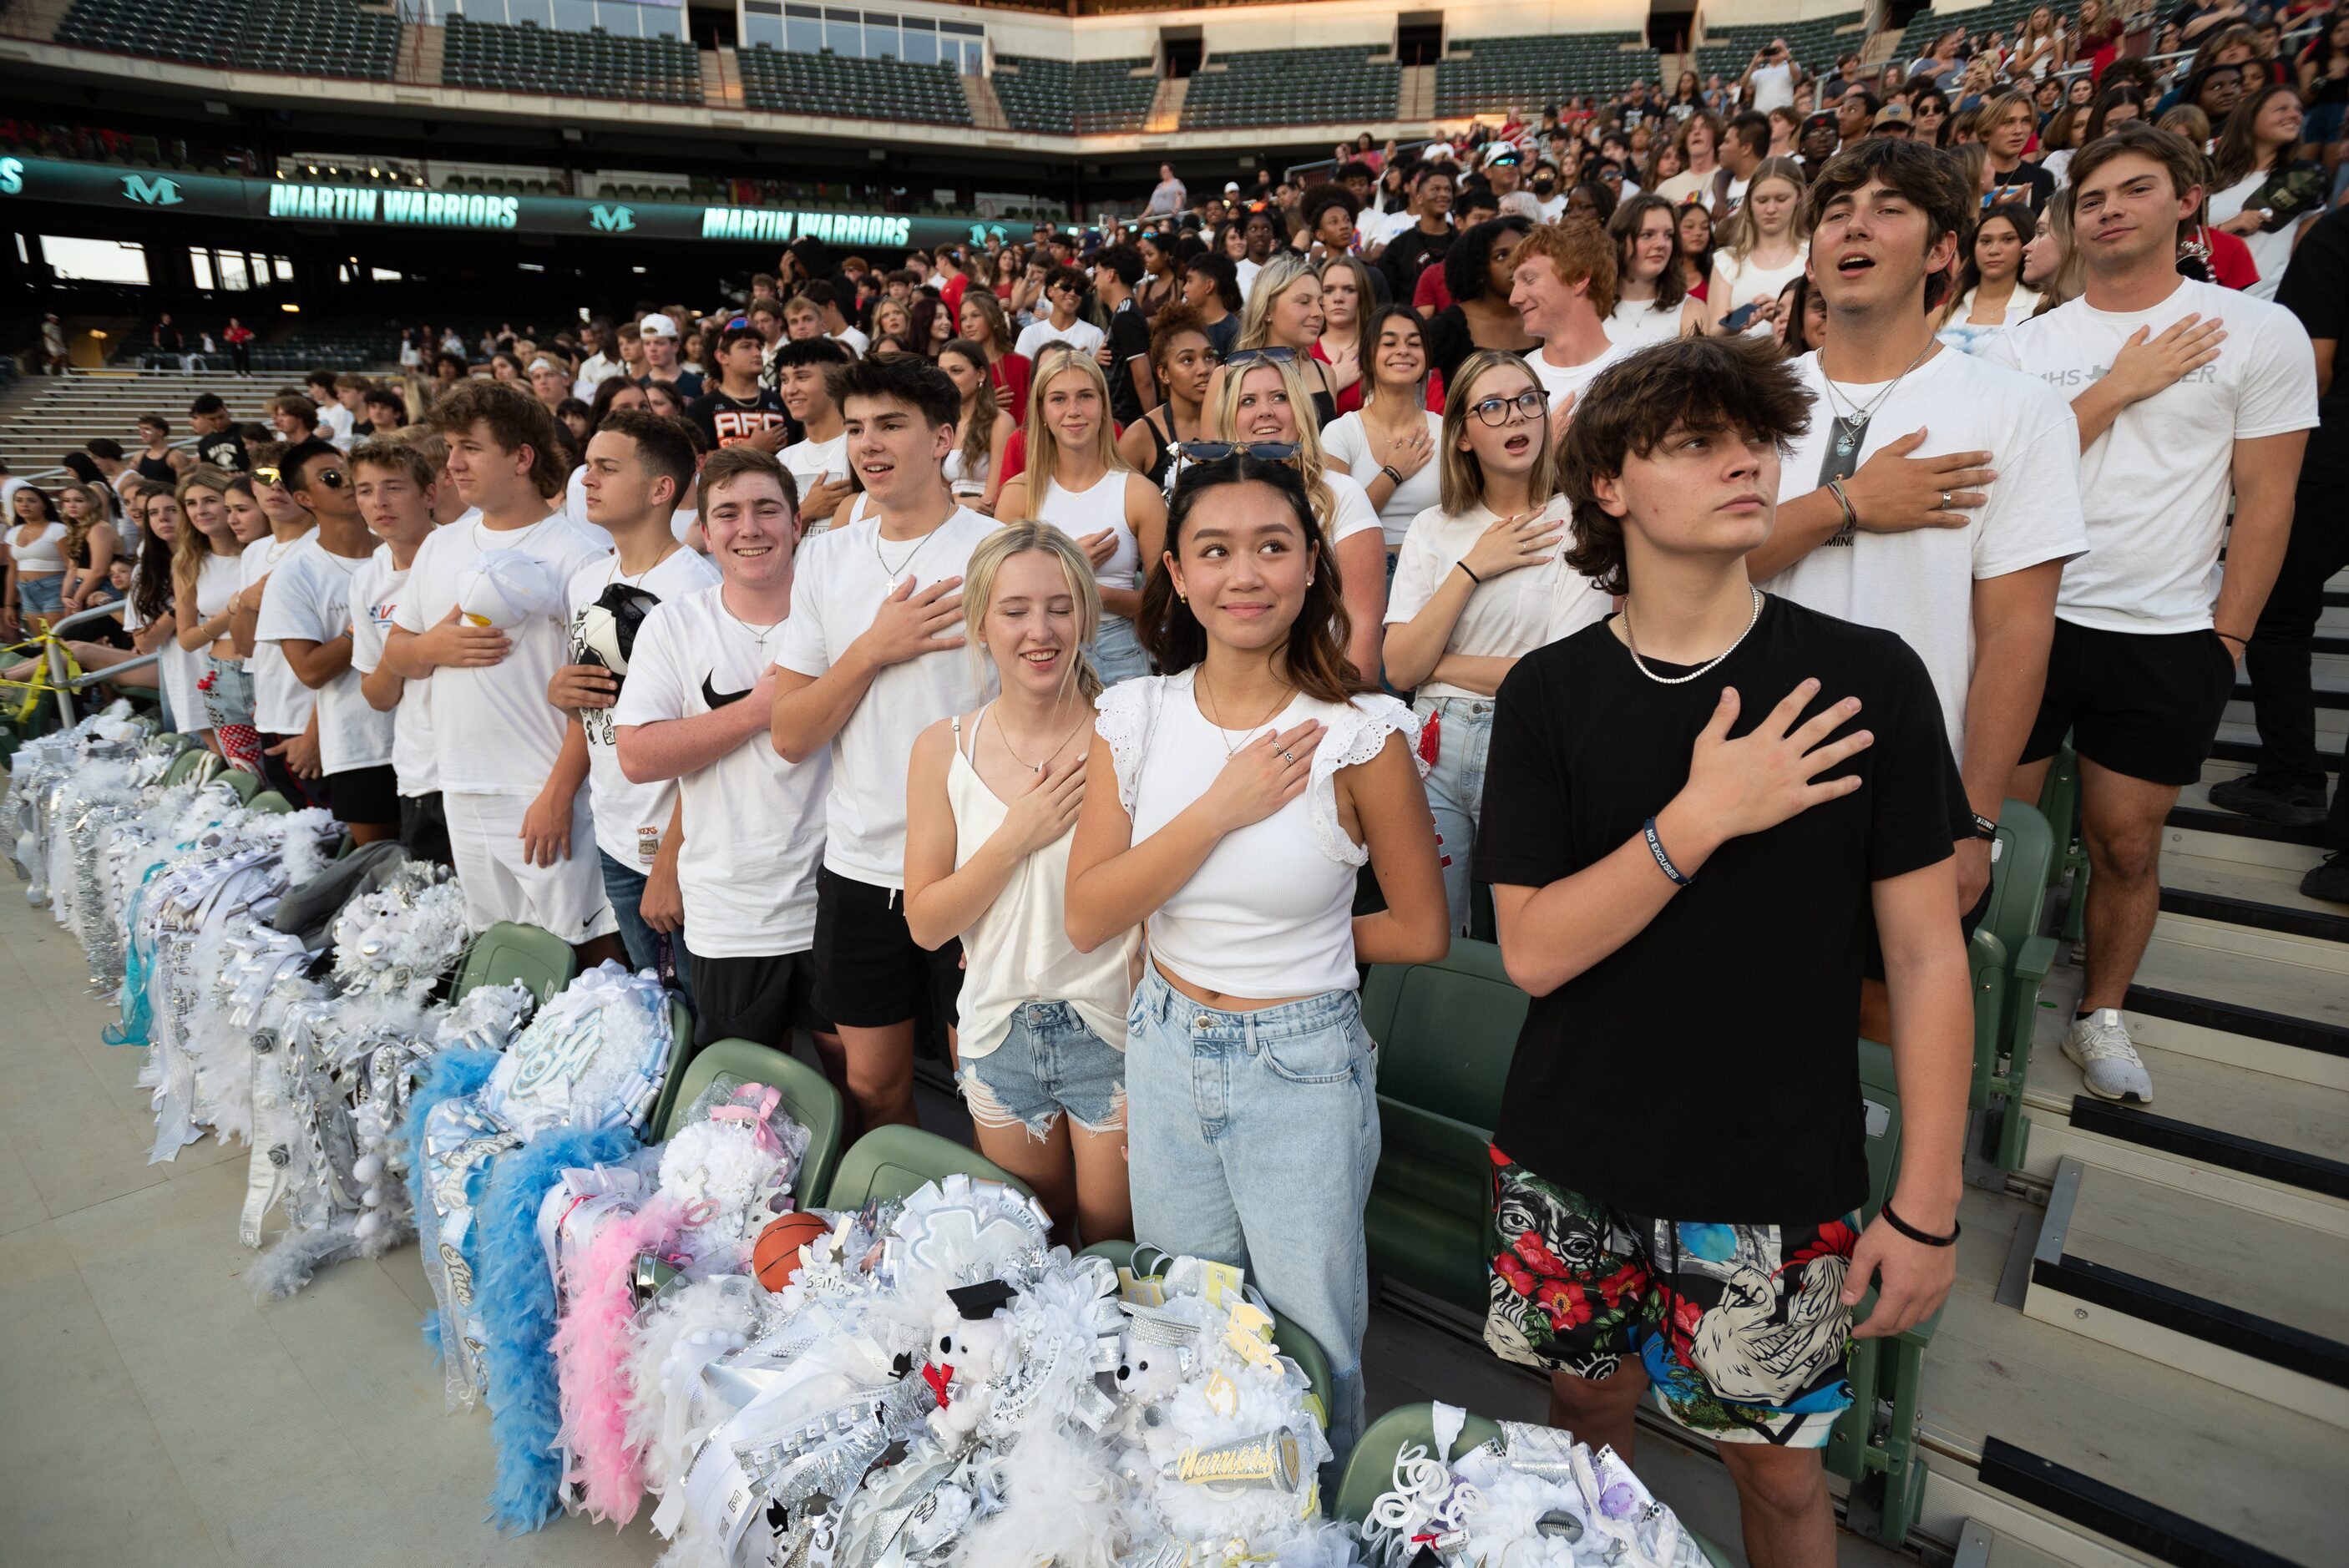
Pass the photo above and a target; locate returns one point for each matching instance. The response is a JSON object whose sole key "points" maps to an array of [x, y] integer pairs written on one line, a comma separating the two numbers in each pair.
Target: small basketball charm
{"points": [[775, 1258]]}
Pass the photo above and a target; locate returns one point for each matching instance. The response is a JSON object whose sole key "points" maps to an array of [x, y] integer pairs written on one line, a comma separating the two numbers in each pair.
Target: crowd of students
{"points": [[1107, 691]]}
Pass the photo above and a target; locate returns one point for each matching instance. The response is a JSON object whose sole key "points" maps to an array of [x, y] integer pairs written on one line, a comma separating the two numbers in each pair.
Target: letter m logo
{"points": [[159, 193], [611, 219]]}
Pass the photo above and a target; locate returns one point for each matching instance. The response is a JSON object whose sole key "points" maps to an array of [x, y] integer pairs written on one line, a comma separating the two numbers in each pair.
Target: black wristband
{"points": [[1463, 566], [1914, 1234]]}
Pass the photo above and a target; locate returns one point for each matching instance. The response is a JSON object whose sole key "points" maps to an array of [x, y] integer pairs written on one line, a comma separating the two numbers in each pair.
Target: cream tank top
{"points": [[1019, 951], [41, 556]]}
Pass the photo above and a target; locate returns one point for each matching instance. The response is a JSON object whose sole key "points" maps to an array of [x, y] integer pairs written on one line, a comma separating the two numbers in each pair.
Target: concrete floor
{"points": [[152, 1413]]}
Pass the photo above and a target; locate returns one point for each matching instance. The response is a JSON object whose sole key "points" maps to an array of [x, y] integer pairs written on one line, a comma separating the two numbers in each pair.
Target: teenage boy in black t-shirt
{"points": [[740, 407], [1688, 833]]}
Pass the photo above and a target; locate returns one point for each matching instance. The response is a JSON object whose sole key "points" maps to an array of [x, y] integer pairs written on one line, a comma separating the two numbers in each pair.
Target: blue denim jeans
{"points": [[1049, 1064], [1455, 788], [1117, 654], [625, 886], [1251, 1139]]}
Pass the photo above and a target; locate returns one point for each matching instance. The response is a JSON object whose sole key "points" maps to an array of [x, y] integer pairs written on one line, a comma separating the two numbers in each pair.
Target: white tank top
{"points": [[216, 583], [1269, 913], [966, 479], [1019, 951], [41, 556], [1081, 513]]}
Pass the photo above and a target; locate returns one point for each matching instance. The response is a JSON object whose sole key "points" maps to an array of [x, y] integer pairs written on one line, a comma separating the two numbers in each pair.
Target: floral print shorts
{"points": [[1742, 1329]]}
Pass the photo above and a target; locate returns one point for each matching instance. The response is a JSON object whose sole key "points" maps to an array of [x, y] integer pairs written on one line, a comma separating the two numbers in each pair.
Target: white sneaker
{"points": [[2099, 1046]]}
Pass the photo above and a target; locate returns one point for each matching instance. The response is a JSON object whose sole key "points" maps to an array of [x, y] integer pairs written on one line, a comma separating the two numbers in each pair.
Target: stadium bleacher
{"points": [[789, 82], [1981, 21], [306, 38], [1815, 43], [1480, 74], [1342, 84], [594, 64], [1089, 97]]}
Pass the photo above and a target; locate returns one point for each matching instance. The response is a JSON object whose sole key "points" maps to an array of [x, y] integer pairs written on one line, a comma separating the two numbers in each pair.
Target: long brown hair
{"points": [[2238, 152], [978, 433], [1318, 664]]}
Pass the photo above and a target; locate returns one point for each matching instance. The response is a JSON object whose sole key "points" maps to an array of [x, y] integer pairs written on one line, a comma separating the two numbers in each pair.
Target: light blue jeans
{"points": [[1455, 788], [1251, 1139], [1117, 654]]}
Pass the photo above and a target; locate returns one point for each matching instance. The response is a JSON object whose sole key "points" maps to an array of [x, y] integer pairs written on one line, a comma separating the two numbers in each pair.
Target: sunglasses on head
{"points": [[1272, 355], [1216, 451]]}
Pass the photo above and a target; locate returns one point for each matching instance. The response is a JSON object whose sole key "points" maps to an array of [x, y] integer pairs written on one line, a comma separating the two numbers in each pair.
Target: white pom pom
{"points": [[369, 1224], [373, 1197], [367, 1167]]}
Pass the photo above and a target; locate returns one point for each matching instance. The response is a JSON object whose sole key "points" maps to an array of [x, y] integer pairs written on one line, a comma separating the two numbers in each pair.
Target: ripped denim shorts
{"points": [[1050, 1062]]}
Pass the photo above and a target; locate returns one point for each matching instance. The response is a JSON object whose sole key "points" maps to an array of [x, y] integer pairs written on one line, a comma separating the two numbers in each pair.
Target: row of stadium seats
{"points": [[1292, 87], [1815, 43], [1091, 97], [787, 82], [594, 64], [1490, 73], [305, 37]]}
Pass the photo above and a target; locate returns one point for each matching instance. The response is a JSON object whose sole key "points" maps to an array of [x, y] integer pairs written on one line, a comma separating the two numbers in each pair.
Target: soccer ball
{"points": [[606, 631]]}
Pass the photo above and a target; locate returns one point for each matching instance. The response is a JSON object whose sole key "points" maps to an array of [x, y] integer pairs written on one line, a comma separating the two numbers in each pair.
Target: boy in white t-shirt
{"points": [[283, 709], [695, 715], [2147, 629], [1064, 293], [804, 368], [399, 487], [1563, 291], [306, 614], [1970, 586], [868, 658], [637, 466], [490, 637]]}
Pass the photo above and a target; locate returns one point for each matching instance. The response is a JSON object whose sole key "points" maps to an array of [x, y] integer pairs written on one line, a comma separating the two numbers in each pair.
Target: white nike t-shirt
{"points": [[629, 818], [2156, 486], [1919, 583], [843, 575], [375, 592], [493, 731], [281, 703], [309, 600], [754, 824]]}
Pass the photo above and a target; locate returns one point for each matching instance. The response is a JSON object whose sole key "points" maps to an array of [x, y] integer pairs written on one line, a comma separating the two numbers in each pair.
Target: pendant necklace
{"points": [[1003, 734], [1852, 428]]}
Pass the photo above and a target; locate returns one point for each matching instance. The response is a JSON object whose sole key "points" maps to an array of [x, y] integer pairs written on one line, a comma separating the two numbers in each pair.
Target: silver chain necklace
{"points": [[1633, 644], [1852, 428], [919, 545]]}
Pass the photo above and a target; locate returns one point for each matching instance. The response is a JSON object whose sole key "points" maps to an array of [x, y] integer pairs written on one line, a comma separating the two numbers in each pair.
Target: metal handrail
{"points": [[55, 649]]}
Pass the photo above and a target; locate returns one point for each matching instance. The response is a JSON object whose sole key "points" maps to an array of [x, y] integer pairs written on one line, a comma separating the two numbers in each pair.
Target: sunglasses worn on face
{"points": [[1494, 411], [264, 476], [331, 478]]}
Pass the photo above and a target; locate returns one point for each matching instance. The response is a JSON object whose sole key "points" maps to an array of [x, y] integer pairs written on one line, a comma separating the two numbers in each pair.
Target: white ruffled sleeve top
{"points": [[1270, 911]]}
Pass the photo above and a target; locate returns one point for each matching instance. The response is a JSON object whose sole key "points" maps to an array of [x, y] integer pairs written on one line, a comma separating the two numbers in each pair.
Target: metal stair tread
{"points": [[2236, 965], [2217, 1250], [2269, 1476], [2260, 881], [2305, 1117]]}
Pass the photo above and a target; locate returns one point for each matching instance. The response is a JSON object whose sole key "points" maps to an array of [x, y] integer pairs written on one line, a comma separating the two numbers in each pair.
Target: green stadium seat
{"points": [[270, 802], [1446, 1031], [1288, 1338], [894, 1161], [507, 952], [245, 785], [186, 765]]}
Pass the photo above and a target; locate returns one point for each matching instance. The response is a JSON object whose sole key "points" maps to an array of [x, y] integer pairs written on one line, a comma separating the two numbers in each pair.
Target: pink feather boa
{"points": [[592, 1348]]}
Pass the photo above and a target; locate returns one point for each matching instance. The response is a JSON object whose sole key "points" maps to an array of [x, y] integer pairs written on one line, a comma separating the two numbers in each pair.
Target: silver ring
{"points": [[1945, 501], [1289, 757]]}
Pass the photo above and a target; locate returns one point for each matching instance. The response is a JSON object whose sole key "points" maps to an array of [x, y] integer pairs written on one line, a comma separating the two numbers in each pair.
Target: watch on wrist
{"points": [[1984, 828]]}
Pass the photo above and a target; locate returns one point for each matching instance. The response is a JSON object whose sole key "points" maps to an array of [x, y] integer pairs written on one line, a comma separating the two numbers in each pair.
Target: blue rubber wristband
{"points": [[1663, 860]]}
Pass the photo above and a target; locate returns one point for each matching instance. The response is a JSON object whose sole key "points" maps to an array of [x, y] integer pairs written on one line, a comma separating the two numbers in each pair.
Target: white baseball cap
{"points": [[1231, 186], [657, 325]]}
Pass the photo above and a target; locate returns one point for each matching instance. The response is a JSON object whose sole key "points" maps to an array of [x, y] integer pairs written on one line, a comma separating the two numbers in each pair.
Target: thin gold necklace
{"points": [[1003, 734], [1199, 686]]}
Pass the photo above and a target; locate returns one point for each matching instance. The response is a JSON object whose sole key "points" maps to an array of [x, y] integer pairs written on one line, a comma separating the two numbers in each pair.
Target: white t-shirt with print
{"points": [[1506, 616], [629, 818], [842, 576], [2156, 486], [493, 731], [1919, 583], [376, 590], [309, 600], [281, 703], [754, 824], [1079, 334]]}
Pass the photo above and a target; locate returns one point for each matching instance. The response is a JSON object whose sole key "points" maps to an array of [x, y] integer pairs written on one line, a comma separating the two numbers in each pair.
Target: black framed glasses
{"points": [[1216, 451], [1275, 354], [1496, 411]]}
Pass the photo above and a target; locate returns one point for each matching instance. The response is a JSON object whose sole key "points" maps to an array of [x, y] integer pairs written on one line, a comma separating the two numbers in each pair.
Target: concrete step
{"points": [[2230, 1294]]}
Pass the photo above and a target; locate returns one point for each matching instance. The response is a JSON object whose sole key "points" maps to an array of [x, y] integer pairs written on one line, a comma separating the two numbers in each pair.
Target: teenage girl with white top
{"points": [[1076, 482], [1481, 583], [991, 803], [1389, 446], [205, 573], [975, 468], [152, 614], [1762, 249], [1652, 304], [1230, 803], [1263, 402], [88, 546], [36, 562]]}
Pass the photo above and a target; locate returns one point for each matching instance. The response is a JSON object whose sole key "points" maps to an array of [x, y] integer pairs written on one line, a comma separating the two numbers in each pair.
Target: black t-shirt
{"points": [[687, 382], [2025, 183], [726, 419], [1407, 255], [223, 450], [1707, 1070], [2315, 288], [1129, 340]]}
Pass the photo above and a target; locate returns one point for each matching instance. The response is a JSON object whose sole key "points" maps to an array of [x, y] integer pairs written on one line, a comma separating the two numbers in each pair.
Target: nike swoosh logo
{"points": [[717, 699]]}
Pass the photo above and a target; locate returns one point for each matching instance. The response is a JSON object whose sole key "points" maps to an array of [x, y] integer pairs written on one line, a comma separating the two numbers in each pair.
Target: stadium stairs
{"points": [[44, 417]]}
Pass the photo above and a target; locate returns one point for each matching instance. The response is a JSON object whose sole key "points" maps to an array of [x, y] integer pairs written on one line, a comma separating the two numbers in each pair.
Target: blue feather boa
{"points": [[516, 1298], [452, 1074]]}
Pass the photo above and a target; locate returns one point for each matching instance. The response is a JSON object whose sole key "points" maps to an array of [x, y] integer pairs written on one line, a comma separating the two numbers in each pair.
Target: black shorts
{"points": [[424, 829], [300, 793], [366, 796], [2144, 704], [761, 1000], [871, 972]]}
